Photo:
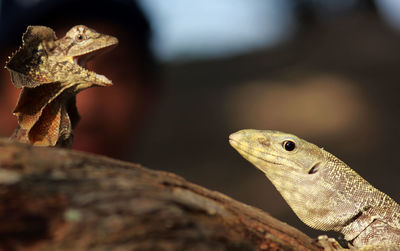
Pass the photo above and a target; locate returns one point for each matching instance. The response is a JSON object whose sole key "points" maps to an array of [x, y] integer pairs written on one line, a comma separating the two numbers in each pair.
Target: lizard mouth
{"points": [[247, 152], [82, 61]]}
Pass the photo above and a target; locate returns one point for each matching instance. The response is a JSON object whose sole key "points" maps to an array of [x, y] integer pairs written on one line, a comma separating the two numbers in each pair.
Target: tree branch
{"points": [[58, 199]]}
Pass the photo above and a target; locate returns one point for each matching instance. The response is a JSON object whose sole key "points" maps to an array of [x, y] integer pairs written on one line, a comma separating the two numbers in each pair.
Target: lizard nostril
{"points": [[264, 142]]}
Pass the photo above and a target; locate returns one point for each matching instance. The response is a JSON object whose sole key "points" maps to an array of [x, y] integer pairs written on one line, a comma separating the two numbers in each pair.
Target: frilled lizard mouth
{"points": [[82, 61]]}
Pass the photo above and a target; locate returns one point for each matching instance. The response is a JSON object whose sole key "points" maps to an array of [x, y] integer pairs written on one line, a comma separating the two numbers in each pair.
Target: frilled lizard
{"points": [[323, 191], [51, 72]]}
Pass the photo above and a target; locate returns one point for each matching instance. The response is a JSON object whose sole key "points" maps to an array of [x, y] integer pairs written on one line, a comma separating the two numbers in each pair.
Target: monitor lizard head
{"points": [[45, 59], [276, 153]]}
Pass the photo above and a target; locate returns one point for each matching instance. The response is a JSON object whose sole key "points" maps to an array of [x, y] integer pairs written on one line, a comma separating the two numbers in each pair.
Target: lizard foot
{"points": [[329, 244]]}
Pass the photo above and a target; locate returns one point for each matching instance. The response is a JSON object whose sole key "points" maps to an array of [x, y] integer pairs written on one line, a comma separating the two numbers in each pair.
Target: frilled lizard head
{"points": [[80, 45], [45, 59]]}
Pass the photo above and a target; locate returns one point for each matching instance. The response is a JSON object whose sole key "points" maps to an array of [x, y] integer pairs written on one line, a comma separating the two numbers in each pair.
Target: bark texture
{"points": [[57, 199]]}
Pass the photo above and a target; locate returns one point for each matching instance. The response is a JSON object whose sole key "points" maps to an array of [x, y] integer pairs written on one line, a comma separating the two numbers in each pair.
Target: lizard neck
{"points": [[371, 209], [330, 199]]}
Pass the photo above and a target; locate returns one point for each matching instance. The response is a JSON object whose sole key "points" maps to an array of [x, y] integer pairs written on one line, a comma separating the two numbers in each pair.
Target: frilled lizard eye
{"points": [[79, 37], [289, 145]]}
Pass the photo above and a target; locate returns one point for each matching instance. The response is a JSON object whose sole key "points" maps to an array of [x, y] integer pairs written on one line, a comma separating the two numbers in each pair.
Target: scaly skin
{"points": [[51, 72], [323, 191]]}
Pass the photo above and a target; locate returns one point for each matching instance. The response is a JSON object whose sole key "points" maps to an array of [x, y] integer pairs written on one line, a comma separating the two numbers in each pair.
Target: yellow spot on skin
{"points": [[72, 215]]}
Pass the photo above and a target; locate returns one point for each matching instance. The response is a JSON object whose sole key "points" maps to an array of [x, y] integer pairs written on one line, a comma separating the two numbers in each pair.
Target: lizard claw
{"points": [[329, 244]]}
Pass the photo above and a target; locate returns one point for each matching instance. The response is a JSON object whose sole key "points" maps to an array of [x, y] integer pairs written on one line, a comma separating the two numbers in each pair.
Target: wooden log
{"points": [[58, 199]]}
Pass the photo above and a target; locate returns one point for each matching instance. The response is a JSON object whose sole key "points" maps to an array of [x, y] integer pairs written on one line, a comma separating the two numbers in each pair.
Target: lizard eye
{"points": [[289, 145], [79, 37]]}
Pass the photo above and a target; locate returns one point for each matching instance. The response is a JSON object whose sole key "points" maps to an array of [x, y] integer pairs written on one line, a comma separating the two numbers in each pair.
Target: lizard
{"points": [[51, 72], [323, 191]]}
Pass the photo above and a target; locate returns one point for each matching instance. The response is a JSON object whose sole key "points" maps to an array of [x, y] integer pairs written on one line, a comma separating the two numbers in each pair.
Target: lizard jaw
{"points": [[82, 60]]}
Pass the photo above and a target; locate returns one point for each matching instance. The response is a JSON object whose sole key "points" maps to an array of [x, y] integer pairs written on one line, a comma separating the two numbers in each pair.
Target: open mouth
{"points": [[82, 61]]}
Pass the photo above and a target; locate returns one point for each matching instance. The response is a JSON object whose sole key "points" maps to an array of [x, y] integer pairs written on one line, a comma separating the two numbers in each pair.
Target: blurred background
{"points": [[188, 73]]}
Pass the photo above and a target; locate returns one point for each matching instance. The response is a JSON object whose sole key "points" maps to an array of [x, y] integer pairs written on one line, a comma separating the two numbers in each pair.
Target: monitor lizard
{"points": [[51, 72], [323, 191]]}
